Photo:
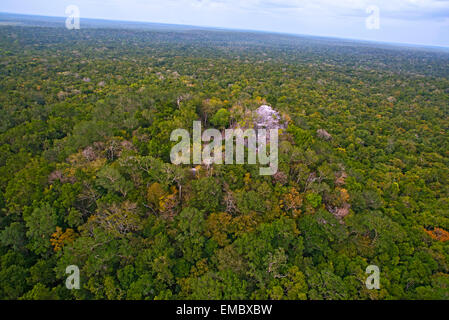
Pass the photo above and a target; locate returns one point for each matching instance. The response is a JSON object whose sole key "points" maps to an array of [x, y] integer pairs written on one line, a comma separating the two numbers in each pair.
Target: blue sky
{"points": [[404, 21]]}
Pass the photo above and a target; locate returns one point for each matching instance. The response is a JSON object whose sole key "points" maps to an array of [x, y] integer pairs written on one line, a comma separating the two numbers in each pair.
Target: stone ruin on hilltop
{"points": [[267, 118]]}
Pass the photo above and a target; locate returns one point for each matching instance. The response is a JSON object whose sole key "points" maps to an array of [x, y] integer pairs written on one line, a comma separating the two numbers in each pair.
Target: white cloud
{"points": [[392, 8]]}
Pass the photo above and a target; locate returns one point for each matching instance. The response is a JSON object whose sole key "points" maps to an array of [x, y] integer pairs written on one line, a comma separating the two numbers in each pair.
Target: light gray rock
{"points": [[323, 134], [268, 118]]}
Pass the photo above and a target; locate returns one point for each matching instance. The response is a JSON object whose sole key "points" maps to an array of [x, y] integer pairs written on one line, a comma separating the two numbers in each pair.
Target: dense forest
{"points": [[86, 177]]}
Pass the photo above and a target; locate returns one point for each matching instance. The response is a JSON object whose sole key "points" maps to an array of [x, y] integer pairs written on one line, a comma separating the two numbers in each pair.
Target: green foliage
{"points": [[221, 118], [40, 225], [207, 194], [91, 159], [314, 199], [302, 137]]}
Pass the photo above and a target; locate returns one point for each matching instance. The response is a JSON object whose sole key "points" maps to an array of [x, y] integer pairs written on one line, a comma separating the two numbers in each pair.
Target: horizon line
{"points": [[207, 27]]}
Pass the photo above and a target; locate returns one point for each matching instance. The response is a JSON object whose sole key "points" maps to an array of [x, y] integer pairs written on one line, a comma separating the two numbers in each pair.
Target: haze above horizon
{"points": [[419, 22]]}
